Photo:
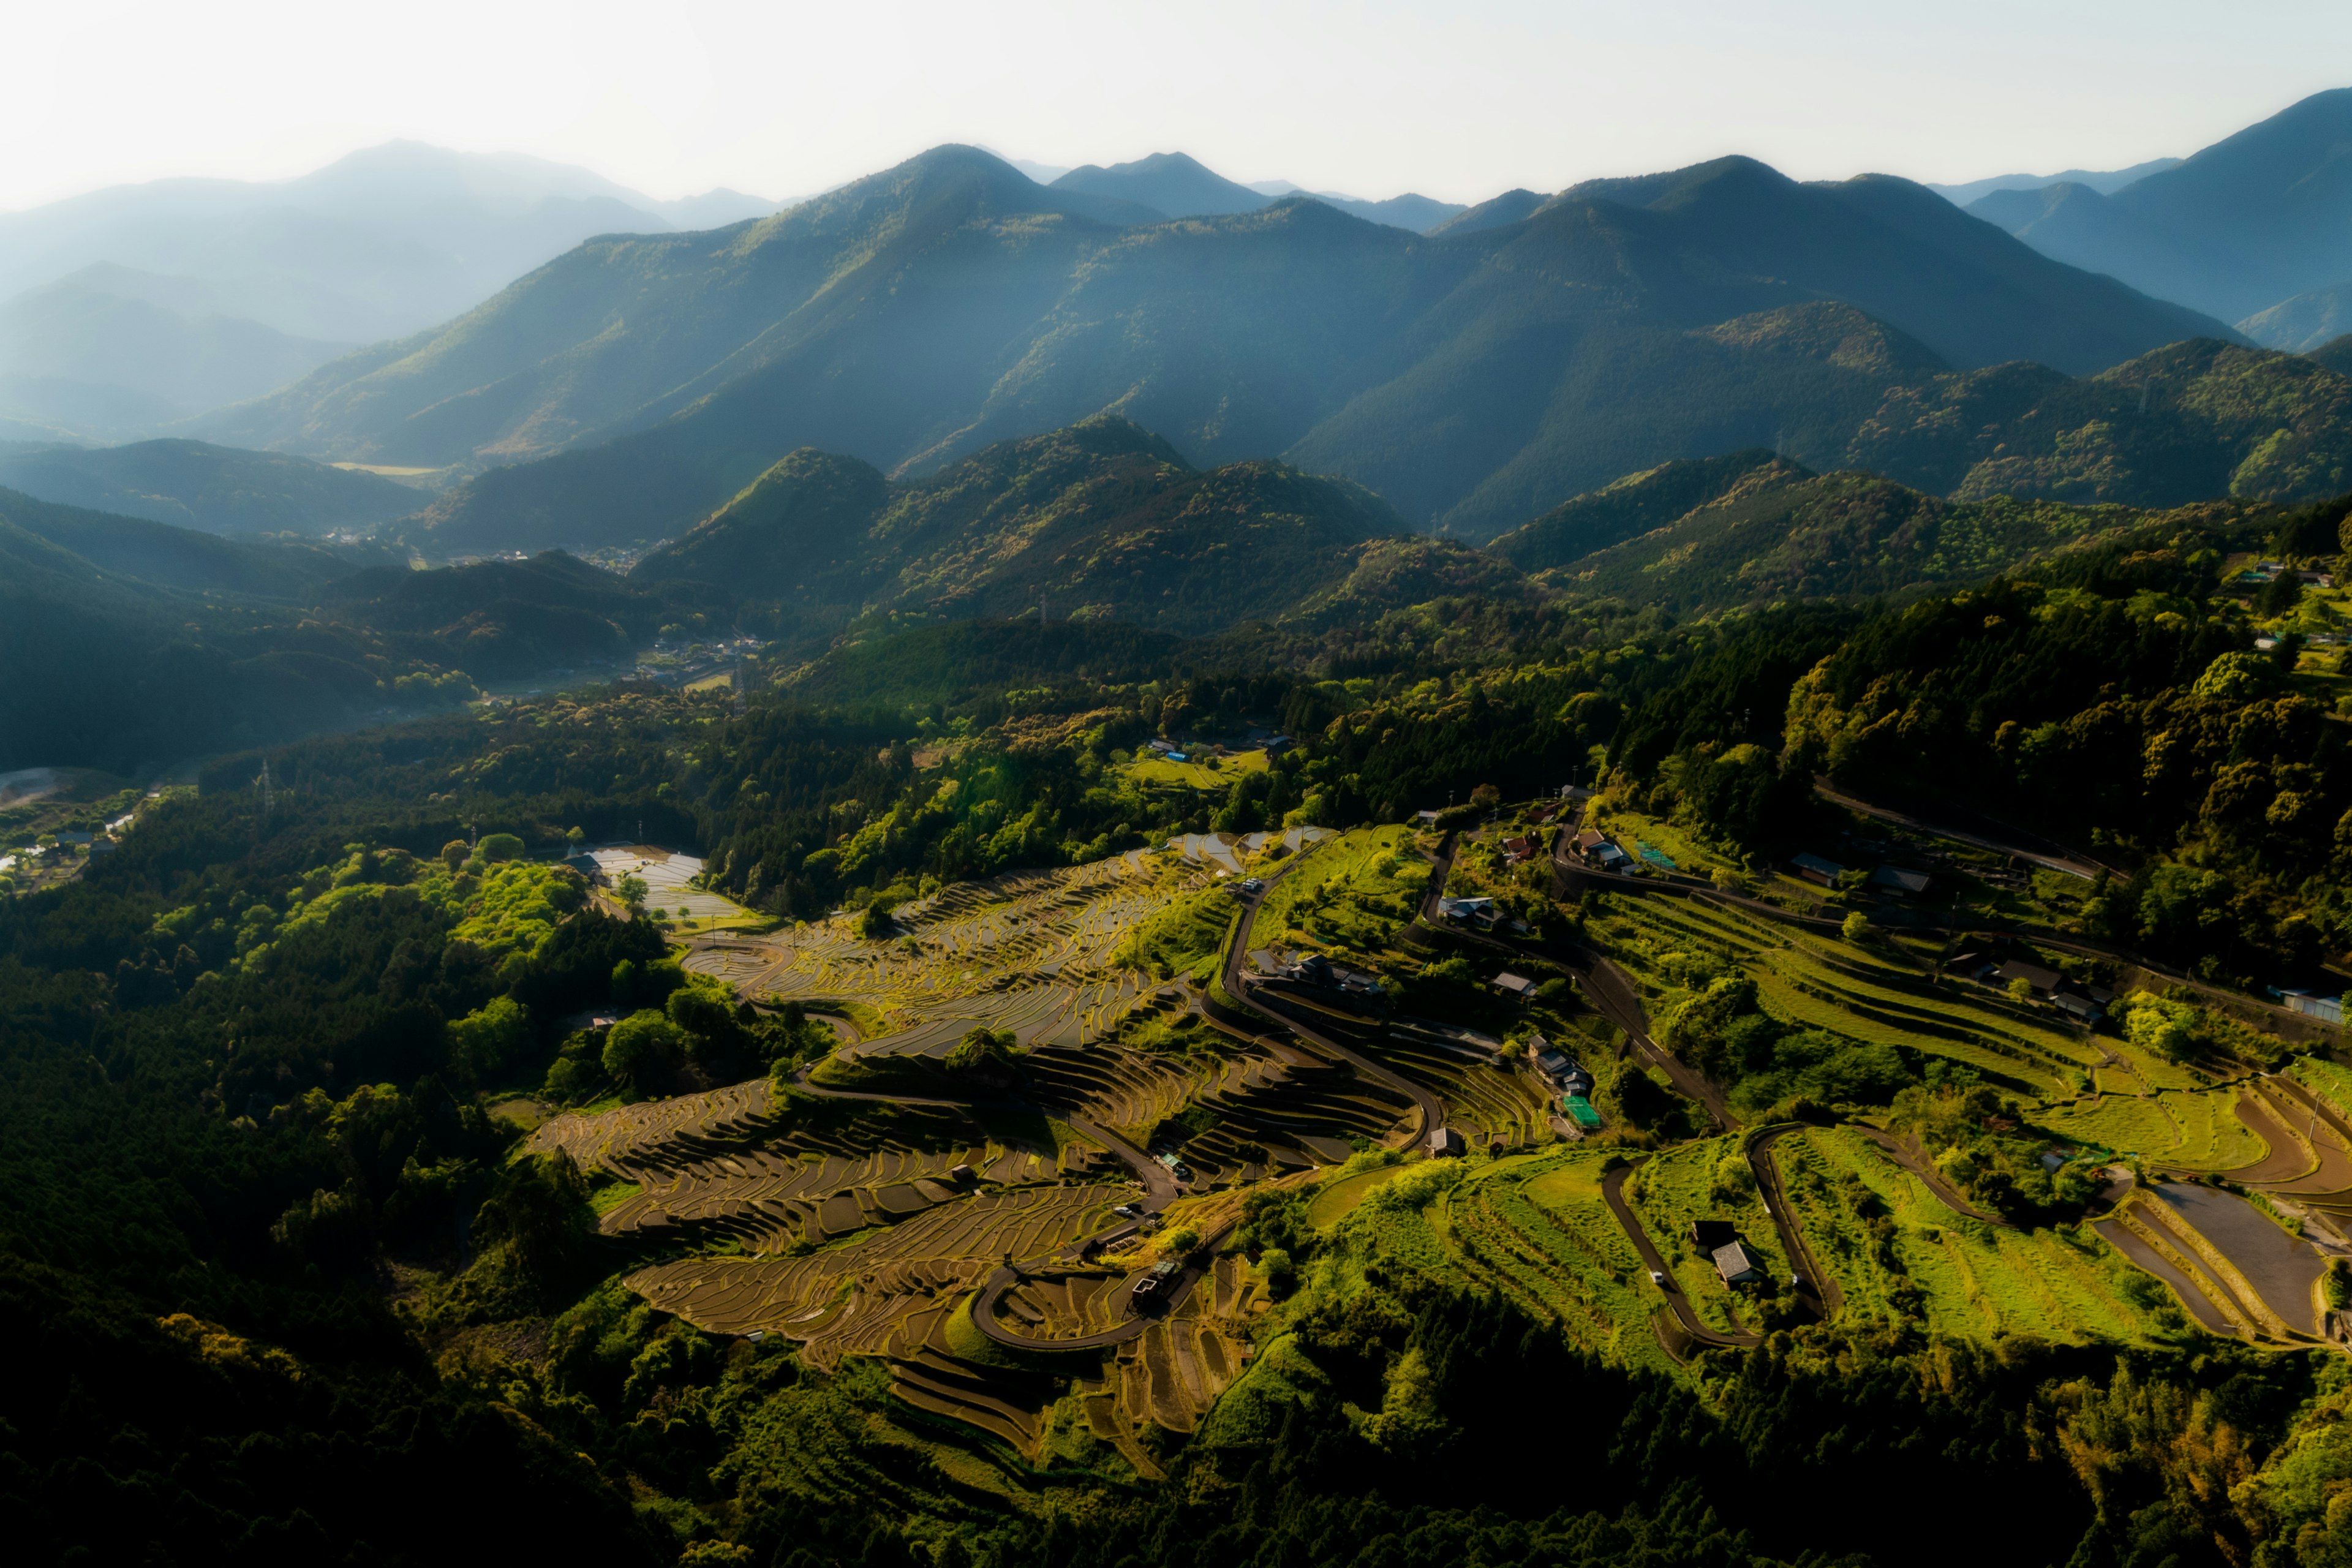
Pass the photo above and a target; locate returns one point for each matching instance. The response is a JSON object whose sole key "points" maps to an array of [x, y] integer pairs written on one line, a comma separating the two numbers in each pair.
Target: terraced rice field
{"points": [[666, 875], [1537, 1229], [2327, 1079], [1231, 853], [1032, 951], [1860, 993], [2196, 1131], [734, 1168], [1270, 1112], [1491, 1102], [1896, 1251], [2238, 1264], [1677, 1187], [852, 1297]]}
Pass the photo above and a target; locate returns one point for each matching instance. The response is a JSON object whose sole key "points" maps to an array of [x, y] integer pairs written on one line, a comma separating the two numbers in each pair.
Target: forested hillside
{"points": [[219, 489]]}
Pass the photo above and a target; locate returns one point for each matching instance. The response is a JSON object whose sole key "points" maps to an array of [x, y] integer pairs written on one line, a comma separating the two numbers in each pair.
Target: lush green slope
{"points": [[1789, 537], [1636, 504], [499, 619], [1102, 518], [2194, 421], [2198, 420], [131, 644], [923, 313], [221, 490], [2335, 354]]}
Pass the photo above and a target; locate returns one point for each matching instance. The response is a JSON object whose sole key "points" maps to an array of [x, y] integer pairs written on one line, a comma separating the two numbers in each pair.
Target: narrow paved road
{"points": [[1244, 989], [1611, 1185], [2020, 843], [1820, 1294]]}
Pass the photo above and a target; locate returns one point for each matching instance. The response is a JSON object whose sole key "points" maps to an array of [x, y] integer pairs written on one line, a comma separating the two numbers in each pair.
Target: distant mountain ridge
{"points": [[2256, 219], [243, 287], [1754, 530], [2106, 182], [1474, 379], [1176, 184]]}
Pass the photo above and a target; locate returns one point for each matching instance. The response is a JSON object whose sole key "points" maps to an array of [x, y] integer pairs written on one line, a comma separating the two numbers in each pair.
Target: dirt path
{"points": [[1917, 1163]]}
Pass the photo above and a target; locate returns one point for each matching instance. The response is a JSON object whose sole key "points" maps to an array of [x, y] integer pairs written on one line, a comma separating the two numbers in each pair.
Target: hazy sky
{"points": [[1458, 99]]}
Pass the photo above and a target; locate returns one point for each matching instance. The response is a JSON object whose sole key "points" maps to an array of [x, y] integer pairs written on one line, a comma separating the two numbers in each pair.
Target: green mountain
{"points": [[499, 619], [2258, 217], [2335, 353], [1636, 504], [1173, 185], [1476, 378], [220, 489], [1772, 533], [130, 643], [1100, 519], [1496, 212], [2193, 421]]}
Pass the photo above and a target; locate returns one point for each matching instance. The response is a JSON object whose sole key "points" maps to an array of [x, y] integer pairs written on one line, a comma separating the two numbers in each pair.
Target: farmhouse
{"points": [[1897, 879], [2033, 974], [1517, 987], [1813, 869], [1445, 1143], [1736, 1264]]}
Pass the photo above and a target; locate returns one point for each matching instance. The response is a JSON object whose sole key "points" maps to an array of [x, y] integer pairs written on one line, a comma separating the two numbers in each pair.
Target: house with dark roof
{"points": [[1736, 1264], [1813, 869], [1517, 987]]}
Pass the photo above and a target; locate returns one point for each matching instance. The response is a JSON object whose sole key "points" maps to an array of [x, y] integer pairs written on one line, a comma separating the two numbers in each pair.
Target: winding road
{"points": [[1612, 1193]]}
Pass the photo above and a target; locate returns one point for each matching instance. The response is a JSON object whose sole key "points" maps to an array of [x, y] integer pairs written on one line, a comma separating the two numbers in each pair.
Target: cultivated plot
{"points": [[1031, 951]]}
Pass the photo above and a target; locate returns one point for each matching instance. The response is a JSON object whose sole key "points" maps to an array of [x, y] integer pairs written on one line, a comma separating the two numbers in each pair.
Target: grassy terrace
{"points": [[1706, 1179], [2325, 1078], [1860, 991], [1151, 769], [1355, 891], [1535, 1228], [2195, 1130], [1896, 1251], [1486, 1103]]}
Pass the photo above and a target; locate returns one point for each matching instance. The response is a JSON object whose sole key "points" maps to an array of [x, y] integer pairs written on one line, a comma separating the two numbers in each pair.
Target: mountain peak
{"points": [[1175, 184]]}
